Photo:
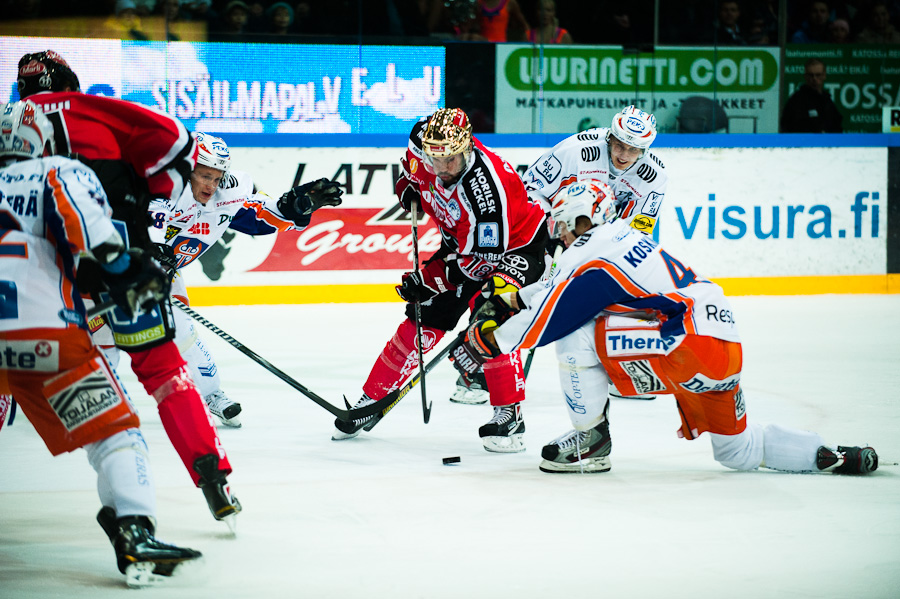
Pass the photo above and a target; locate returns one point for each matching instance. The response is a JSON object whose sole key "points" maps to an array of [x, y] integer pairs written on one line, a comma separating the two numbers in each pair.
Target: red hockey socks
{"points": [[505, 379], [183, 413], [399, 358]]}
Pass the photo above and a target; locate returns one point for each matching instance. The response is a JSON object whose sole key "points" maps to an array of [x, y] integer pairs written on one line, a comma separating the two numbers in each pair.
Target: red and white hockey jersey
{"points": [[191, 228], [639, 190], [614, 269], [51, 210], [483, 215]]}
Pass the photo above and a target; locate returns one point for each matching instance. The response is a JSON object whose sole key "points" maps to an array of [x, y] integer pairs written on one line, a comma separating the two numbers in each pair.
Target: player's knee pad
{"points": [[743, 451], [790, 449]]}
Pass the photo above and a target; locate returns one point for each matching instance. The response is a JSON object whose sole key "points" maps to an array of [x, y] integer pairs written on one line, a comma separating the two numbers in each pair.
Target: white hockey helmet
{"points": [[25, 131], [591, 198], [634, 127], [213, 152]]}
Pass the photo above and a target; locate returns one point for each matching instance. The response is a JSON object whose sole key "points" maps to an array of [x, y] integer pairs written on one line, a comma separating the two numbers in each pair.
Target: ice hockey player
{"points": [[55, 217], [492, 236], [216, 199], [619, 156], [620, 306], [135, 152]]}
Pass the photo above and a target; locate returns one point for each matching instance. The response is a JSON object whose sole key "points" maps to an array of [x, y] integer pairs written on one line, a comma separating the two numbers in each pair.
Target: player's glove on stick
{"points": [[477, 347], [422, 285], [497, 296], [165, 255], [135, 281], [407, 190], [301, 201]]}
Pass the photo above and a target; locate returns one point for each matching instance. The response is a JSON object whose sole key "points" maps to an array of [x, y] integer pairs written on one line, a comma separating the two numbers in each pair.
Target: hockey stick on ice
{"points": [[348, 414], [426, 407]]}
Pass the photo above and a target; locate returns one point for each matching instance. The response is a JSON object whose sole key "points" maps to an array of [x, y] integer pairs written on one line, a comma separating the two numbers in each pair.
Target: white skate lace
{"points": [[365, 400], [572, 438], [502, 415], [217, 401]]}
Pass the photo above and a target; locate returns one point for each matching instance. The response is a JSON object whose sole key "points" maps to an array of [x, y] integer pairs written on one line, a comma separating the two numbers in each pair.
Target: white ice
{"points": [[380, 516]]}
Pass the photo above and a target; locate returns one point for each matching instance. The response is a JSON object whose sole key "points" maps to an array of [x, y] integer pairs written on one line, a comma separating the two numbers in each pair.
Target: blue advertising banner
{"points": [[253, 88]]}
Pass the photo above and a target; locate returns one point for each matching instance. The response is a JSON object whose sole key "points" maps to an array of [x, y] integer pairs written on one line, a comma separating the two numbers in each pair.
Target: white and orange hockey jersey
{"points": [[191, 228], [639, 190], [51, 211], [613, 269]]}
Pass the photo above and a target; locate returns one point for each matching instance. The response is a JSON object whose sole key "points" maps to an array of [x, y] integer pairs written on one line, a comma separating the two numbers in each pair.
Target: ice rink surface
{"points": [[380, 516]]}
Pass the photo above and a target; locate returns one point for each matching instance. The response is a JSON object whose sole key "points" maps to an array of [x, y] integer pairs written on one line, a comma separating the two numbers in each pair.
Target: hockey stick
{"points": [[426, 407], [348, 414], [100, 309]]}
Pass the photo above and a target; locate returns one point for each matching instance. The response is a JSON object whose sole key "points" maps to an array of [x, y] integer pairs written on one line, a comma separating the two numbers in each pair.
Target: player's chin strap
{"points": [[348, 414]]}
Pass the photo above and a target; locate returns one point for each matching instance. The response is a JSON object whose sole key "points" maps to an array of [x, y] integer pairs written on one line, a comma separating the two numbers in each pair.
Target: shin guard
{"points": [[505, 379], [399, 358]]}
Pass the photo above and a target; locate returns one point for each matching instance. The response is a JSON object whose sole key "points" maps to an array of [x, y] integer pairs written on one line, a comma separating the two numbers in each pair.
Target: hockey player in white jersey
{"points": [[55, 217], [621, 308], [217, 199]]}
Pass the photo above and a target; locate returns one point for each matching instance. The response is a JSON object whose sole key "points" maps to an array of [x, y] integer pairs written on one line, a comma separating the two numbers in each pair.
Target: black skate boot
{"points": [[471, 390], [503, 433], [222, 504], [143, 559], [585, 452], [348, 429], [847, 460]]}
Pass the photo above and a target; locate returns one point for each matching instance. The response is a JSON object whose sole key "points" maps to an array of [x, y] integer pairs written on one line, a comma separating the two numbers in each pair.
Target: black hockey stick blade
{"points": [[100, 309]]}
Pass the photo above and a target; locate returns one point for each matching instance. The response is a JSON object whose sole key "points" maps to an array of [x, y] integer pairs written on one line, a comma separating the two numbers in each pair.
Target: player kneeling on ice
{"points": [[217, 199], [621, 308], [57, 218]]}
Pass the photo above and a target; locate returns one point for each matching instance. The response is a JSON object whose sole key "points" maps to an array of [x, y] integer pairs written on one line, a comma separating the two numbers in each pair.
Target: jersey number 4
{"points": [[681, 275]]}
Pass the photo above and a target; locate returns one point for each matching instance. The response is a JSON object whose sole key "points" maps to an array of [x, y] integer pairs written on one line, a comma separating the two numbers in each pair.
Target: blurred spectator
{"points": [[763, 22], [839, 32], [879, 29], [548, 30], [502, 20], [621, 24], [280, 16], [197, 10], [814, 30], [728, 32], [234, 18], [126, 24], [810, 109]]}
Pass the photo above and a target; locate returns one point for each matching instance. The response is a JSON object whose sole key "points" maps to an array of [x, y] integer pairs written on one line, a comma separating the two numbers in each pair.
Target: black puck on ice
{"points": [[453, 460]]}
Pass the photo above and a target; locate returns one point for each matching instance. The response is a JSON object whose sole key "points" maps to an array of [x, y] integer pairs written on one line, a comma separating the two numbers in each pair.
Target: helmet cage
{"points": [[25, 131], [590, 198]]}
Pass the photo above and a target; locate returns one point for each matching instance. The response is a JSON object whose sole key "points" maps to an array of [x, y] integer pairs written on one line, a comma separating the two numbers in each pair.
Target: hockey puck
{"points": [[453, 460]]}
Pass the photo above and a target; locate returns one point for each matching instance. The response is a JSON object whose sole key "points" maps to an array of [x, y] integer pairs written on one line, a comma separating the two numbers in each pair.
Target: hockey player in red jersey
{"points": [[622, 309], [137, 152], [493, 236], [55, 218]]}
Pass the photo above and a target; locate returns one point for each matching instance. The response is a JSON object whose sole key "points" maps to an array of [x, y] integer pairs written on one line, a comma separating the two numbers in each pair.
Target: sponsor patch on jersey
{"points": [[40, 355], [703, 384], [454, 209], [630, 342], [413, 166], [549, 169], [171, 232], [643, 223], [489, 235], [643, 377], [84, 400], [96, 323], [740, 408], [652, 204]]}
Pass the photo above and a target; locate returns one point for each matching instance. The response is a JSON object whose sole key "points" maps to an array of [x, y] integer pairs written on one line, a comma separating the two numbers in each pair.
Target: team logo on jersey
{"points": [[703, 384], [171, 232], [652, 203], [454, 209], [186, 250], [643, 377], [643, 223], [549, 169], [488, 235]]}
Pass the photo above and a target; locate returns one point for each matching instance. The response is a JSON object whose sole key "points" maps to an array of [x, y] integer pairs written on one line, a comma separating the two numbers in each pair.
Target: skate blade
{"points": [[589, 466], [511, 444], [231, 522], [231, 422], [469, 399], [339, 435], [142, 575]]}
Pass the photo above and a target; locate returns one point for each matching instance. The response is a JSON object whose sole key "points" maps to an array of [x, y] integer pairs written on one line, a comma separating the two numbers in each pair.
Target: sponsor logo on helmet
{"points": [[32, 68]]}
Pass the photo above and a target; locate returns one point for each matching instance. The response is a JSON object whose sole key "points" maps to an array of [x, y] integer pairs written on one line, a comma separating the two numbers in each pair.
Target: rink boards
{"points": [[759, 220]]}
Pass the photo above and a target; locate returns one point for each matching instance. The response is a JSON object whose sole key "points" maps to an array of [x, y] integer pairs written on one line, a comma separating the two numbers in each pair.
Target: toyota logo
{"points": [[515, 261]]}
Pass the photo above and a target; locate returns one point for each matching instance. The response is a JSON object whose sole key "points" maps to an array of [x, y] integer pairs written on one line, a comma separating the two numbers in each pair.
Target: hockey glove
{"points": [[300, 202], [498, 295], [165, 255], [422, 285], [476, 348], [135, 282], [407, 191]]}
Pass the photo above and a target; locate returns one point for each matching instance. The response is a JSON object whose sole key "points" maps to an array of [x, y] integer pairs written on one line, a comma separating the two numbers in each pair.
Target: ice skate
{"points": [[471, 391], [582, 452], [847, 460], [348, 429], [224, 409], [503, 433], [223, 505], [614, 394], [144, 560]]}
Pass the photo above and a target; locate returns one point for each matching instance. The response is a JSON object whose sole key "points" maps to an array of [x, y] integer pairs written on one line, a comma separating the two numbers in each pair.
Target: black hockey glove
{"points": [[139, 285], [300, 202], [476, 348], [496, 295], [407, 191], [422, 285], [165, 255]]}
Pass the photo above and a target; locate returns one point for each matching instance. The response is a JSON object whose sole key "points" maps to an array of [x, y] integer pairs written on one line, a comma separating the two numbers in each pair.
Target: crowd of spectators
{"points": [[612, 22]]}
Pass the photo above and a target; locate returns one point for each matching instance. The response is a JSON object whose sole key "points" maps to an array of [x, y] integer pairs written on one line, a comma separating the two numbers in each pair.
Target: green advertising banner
{"points": [[557, 89], [861, 79]]}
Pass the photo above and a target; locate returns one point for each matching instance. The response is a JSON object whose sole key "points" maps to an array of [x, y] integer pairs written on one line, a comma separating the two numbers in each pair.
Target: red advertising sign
{"points": [[353, 239]]}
